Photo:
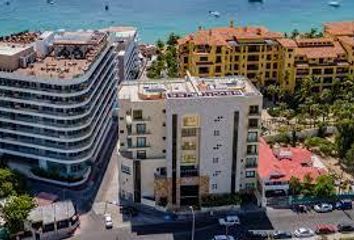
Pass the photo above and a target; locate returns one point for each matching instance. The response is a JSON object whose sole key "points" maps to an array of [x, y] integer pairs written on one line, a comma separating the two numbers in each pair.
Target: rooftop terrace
{"points": [[67, 54], [191, 87]]}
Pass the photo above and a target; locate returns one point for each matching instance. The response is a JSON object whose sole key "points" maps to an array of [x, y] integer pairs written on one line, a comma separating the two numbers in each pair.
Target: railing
{"points": [[189, 173]]}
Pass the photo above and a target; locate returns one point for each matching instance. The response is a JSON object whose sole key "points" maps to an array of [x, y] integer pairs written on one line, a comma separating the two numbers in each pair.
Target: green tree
{"points": [[295, 33], [11, 182], [324, 186], [295, 186], [345, 136], [160, 44], [273, 91], [172, 39], [307, 185], [349, 156], [16, 211]]}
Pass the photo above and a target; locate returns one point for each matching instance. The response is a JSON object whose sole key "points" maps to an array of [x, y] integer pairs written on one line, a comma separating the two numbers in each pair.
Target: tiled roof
{"points": [[288, 43], [269, 165], [340, 28], [347, 40], [321, 51], [221, 36]]}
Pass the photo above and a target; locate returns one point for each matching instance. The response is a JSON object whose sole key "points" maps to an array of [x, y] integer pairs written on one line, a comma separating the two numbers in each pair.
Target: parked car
{"points": [[301, 208], [323, 208], [304, 232], [281, 235], [229, 220], [108, 221], [344, 204], [345, 227], [251, 235], [325, 229], [223, 237]]}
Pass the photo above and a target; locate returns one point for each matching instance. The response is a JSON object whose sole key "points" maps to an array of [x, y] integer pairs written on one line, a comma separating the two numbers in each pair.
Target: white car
{"points": [[223, 237], [108, 221], [304, 232], [323, 208], [229, 220]]}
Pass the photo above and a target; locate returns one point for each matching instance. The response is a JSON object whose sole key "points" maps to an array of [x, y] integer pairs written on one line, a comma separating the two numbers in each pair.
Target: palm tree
{"points": [[273, 91]]}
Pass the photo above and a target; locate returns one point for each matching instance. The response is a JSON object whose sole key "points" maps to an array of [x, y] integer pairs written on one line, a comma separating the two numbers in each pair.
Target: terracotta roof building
{"points": [[277, 165]]}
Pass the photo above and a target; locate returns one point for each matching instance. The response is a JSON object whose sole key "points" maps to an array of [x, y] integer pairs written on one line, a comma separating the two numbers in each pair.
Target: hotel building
{"points": [[267, 57], [186, 138], [126, 41], [56, 99]]}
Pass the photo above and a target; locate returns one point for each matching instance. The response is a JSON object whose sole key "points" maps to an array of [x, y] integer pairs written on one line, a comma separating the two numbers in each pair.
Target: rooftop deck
{"points": [[188, 88], [68, 54]]}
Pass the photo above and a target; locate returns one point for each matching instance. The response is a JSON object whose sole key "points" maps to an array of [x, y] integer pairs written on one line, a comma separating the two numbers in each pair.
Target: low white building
{"points": [[185, 138]]}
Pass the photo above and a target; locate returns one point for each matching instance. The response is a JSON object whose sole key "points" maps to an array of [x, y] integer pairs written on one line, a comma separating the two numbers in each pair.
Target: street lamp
{"points": [[193, 223]]}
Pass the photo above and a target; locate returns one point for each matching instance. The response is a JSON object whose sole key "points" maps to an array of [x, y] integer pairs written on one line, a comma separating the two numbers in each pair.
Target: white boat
{"points": [[334, 3], [214, 13]]}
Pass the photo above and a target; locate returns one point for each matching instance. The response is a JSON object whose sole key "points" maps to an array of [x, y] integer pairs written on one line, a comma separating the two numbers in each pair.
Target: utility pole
{"points": [[193, 221]]}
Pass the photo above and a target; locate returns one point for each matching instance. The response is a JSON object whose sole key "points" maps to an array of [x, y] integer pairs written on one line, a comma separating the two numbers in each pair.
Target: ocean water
{"points": [[156, 18]]}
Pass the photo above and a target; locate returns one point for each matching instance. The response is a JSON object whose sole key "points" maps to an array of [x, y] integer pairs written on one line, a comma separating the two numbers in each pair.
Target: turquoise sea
{"points": [[156, 18]]}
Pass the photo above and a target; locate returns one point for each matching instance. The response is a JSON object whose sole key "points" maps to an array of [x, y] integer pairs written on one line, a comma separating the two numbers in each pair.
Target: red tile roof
{"points": [[221, 36], [269, 165], [347, 40], [340, 28]]}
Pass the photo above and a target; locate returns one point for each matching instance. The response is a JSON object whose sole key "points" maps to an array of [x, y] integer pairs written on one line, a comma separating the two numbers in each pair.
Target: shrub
{"points": [[324, 146], [279, 138], [215, 200]]}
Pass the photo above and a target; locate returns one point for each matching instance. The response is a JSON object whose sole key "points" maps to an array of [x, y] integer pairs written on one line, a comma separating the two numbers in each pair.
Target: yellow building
{"points": [[249, 51], [268, 57], [324, 59]]}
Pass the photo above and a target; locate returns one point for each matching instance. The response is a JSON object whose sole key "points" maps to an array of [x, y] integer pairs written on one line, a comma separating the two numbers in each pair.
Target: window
{"points": [[203, 59], [275, 65], [236, 58], [63, 224], [189, 159], [250, 174], [125, 169], [129, 142], [249, 186], [164, 151], [216, 173], [164, 124], [251, 162], [216, 133], [204, 70], [137, 114], [253, 123], [164, 138], [252, 137], [190, 145], [121, 131], [218, 59], [254, 109], [163, 110], [252, 149], [190, 121], [185, 59], [141, 142], [316, 71], [189, 132], [215, 159], [218, 49], [236, 67], [214, 186], [218, 69], [141, 128], [141, 154], [122, 144]]}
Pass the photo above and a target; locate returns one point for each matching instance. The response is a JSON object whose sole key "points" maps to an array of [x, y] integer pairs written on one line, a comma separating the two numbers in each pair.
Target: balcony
{"points": [[135, 133], [251, 165], [189, 173], [136, 146], [252, 139]]}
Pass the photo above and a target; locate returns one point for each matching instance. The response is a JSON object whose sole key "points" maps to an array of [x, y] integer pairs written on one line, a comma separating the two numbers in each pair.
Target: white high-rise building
{"points": [[126, 41], [183, 139], [57, 92]]}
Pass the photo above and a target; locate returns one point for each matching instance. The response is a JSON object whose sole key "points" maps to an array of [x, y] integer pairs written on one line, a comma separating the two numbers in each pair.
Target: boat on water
{"points": [[214, 14], [50, 2], [106, 7], [255, 1], [7, 3], [334, 3]]}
